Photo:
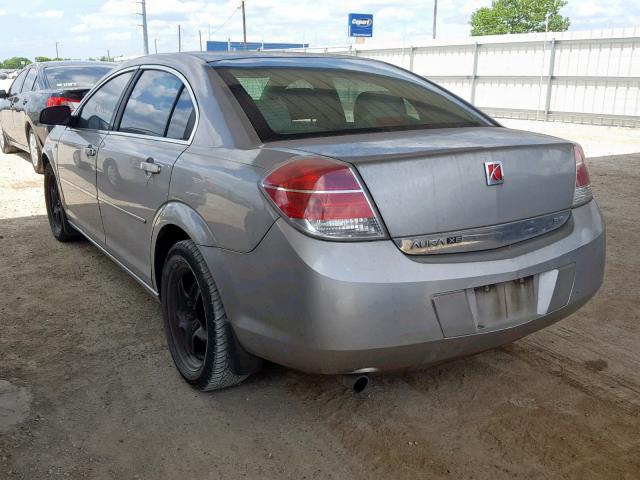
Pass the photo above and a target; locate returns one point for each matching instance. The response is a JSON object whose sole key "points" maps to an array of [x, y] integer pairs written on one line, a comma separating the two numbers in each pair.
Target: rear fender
{"points": [[183, 216]]}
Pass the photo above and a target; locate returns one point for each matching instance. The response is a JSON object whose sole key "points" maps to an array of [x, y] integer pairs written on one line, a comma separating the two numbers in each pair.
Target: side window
{"points": [[97, 113], [151, 103], [29, 80], [16, 86], [182, 118]]}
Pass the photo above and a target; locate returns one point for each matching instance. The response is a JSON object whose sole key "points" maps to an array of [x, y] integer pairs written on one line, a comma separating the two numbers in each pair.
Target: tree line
{"points": [[519, 16]]}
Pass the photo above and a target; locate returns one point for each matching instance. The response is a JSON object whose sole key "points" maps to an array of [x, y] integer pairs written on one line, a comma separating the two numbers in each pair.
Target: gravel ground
{"points": [[88, 389]]}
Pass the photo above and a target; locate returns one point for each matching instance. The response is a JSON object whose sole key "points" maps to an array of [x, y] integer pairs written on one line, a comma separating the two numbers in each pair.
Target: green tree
{"points": [[15, 63], [43, 59], [519, 16]]}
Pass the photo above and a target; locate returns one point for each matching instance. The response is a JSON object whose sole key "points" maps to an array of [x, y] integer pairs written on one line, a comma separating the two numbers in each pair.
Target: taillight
{"points": [[55, 101], [324, 198], [582, 193]]}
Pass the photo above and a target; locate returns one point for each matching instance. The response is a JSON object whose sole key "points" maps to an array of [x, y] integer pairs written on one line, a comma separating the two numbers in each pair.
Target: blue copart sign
{"points": [[360, 25]]}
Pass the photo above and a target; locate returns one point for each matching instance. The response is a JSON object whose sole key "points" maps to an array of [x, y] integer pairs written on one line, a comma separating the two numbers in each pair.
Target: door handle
{"points": [[149, 166], [90, 151]]}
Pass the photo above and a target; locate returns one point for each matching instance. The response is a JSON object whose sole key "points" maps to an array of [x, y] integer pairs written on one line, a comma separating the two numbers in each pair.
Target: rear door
{"points": [[8, 122], [135, 163], [77, 154]]}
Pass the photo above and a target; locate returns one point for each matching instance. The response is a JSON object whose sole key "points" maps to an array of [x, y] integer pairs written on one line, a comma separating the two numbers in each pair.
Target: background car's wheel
{"points": [[196, 326], [34, 151], [4, 143], [113, 175], [60, 227]]}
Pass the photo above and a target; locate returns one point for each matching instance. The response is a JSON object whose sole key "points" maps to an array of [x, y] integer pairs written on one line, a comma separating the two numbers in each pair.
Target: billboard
{"points": [[360, 25]]}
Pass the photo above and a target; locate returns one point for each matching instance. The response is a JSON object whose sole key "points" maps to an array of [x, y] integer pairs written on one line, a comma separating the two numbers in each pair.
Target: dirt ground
{"points": [[88, 388]]}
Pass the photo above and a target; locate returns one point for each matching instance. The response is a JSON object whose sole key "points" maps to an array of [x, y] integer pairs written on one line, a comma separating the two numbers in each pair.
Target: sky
{"points": [[88, 28]]}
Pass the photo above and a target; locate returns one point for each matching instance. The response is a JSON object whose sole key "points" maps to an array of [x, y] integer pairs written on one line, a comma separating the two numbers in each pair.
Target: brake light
{"points": [[55, 101], [582, 193], [324, 198]]}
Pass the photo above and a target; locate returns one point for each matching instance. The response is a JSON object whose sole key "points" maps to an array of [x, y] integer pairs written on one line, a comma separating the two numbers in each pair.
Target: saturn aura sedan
{"points": [[332, 214]]}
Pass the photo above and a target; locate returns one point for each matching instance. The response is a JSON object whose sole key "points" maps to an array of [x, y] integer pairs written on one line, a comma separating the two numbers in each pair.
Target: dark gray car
{"points": [[38, 86], [331, 214]]}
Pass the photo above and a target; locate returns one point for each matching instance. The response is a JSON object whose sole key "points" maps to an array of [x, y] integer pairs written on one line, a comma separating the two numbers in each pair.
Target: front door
{"points": [[135, 164], [78, 152]]}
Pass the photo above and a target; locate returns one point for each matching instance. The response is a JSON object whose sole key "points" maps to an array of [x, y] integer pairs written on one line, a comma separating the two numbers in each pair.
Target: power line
{"points": [[227, 20]]}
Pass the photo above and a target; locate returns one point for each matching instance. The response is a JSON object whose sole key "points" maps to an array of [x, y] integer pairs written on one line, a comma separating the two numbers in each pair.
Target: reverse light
{"points": [[324, 198], [56, 101], [582, 193]]}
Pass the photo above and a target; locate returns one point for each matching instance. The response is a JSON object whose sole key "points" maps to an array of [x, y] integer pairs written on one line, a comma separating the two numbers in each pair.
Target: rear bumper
{"points": [[331, 307]]}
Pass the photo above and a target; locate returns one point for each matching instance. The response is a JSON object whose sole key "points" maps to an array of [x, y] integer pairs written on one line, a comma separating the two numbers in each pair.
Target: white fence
{"points": [[585, 77]]}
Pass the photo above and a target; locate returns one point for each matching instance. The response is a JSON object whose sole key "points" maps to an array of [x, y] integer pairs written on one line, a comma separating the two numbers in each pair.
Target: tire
{"points": [[34, 151], [4, 143], [60, 227], [198, 334]]}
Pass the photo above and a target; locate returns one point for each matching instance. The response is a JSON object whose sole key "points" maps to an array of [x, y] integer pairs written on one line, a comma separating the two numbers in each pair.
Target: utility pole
{"points": [[244, 26], [179, 38], [108, 56], [155, 43], [145, 37], [200, 35], [57, 56], [435, 15]]}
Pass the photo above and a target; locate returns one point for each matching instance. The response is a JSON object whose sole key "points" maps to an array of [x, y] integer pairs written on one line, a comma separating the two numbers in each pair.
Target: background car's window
{"points": [[97, 113], [29, 80], [182, 118], [151, 102], [16, 86], [75, 77], [298, 101]]}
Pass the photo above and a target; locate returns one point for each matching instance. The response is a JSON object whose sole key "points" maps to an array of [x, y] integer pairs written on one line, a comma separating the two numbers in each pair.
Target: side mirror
{"points": [[3, 94], [58, 115]]}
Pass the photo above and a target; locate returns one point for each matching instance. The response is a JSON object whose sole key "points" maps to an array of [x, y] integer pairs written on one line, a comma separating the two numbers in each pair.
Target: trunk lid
{"points": [[433, 181]]}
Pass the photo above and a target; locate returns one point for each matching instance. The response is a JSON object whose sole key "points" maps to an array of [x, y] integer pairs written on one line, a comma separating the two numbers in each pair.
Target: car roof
{"points": [[70, 63], [217, 56], [187, 60], [208, 57]]}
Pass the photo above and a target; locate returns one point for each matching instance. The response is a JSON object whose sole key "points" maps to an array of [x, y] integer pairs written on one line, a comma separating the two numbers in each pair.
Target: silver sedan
{"points": [[332, 214]]}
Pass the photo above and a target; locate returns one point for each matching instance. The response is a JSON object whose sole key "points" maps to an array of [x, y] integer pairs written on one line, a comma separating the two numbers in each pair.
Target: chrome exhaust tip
{"points": [[357, 383]]}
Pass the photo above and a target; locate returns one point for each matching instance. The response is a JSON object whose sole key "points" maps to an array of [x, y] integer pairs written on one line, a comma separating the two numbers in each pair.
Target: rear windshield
{"points": [[75, 77], [286, 102]]}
